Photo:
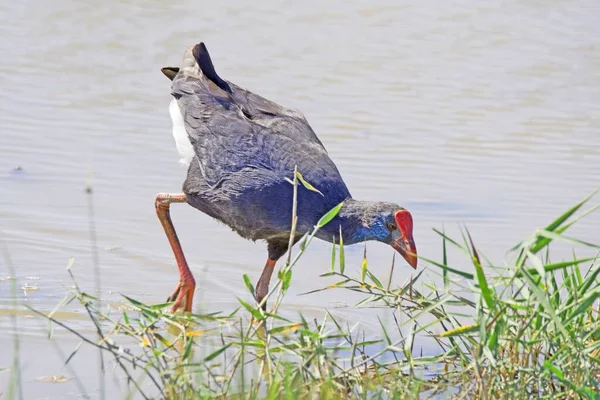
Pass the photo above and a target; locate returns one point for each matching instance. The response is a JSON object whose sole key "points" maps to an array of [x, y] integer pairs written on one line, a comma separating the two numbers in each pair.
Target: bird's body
{"points": [[245, 150], [242, 150]]}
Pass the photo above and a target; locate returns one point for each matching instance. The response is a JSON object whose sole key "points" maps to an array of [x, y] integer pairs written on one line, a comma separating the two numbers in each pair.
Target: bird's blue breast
{"points": [[266, 209]]}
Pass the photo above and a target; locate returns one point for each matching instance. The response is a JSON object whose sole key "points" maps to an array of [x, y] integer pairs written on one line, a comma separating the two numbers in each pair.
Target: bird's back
{"points": [[244, 148]]}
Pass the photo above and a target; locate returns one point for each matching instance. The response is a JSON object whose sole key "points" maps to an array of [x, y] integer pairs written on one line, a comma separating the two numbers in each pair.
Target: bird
{"points": [[241, 151]]}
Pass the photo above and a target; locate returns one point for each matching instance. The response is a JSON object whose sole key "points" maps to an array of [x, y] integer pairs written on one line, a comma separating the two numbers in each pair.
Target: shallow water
{"points": [[459, 111]]}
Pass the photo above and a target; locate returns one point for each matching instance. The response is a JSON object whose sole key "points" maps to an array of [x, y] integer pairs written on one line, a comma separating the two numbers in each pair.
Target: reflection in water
{"points": [[459, 111]]}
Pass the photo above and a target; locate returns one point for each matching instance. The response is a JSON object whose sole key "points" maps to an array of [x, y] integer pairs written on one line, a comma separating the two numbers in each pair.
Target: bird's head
{"points": [[385, 222], [400, 226]]}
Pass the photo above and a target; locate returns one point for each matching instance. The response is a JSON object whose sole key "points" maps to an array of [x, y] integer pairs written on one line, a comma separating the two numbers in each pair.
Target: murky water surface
{"points": [[460, 111]]}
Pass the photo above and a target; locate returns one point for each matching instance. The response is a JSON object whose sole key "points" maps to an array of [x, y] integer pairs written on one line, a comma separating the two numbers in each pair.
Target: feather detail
{"points": [[184, 146]]}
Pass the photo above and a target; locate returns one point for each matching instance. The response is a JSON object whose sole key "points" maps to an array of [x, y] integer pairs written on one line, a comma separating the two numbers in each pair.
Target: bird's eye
{"points": [[392, 227]]}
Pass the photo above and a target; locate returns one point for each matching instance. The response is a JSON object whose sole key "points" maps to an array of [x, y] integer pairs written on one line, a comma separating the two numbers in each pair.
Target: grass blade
{"points": [[342, 255], [307, 184], [541, 297], [542, 242], [363, 267], [325, 219], [486, 292], [248, 283], [333, 256]]}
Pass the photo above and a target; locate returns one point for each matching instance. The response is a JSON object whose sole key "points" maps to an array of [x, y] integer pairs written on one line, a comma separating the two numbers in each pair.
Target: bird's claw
{"points": [[182, 296], [174, 295]]}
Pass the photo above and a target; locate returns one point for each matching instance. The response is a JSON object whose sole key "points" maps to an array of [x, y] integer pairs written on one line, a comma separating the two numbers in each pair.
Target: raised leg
{"points": [[183, 294], [262, 287]]}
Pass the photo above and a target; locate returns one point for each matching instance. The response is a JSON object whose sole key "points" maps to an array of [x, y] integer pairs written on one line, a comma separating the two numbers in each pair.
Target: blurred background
{"points": [[463, 112]]}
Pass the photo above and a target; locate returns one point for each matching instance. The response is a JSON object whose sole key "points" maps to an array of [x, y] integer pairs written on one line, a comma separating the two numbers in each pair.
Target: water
{"points": [[459, 111]]}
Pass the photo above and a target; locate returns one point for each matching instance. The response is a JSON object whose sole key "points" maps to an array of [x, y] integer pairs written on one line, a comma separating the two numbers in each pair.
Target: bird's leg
{"points": [[262, 286], [184, 292]]}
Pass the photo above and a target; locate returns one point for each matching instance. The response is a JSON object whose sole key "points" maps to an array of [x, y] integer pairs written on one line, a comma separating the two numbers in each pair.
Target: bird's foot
{"points": [[183, 295]]}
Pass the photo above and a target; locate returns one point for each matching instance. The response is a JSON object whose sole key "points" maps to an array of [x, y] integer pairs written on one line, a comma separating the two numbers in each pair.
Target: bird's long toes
{"points": [[184, 300], [175, 307], [174, 295]]}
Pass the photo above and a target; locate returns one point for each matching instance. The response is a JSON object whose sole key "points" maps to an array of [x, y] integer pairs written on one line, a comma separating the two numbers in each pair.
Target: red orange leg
{"points": [[183, 295], [262, 287]]}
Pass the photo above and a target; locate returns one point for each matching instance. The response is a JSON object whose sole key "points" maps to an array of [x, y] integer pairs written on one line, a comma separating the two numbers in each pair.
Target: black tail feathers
{"points": [[170, 72], [208, 69]]}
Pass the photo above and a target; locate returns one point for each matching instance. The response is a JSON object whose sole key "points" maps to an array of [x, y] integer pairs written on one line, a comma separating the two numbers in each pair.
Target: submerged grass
{"points": [[527, 329]]}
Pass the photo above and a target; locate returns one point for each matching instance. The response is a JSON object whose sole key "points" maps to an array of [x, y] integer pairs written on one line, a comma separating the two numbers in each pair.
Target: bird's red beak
{"points": [[405, 244]]}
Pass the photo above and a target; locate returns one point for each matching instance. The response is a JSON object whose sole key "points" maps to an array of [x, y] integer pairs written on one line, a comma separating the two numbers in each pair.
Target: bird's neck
{"points": [[356, 221]]}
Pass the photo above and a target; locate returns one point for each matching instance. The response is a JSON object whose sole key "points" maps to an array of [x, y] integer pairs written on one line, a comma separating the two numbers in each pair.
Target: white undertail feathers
{"points": [[184, 146]]}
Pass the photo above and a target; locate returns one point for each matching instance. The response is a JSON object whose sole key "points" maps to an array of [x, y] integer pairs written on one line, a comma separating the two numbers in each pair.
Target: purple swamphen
{"points": [[240, 149]]}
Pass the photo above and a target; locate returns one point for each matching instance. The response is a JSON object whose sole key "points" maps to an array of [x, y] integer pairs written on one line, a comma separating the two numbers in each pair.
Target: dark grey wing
{"points": [[233, 130], [222, 140], [263, 111], [246, 146]]}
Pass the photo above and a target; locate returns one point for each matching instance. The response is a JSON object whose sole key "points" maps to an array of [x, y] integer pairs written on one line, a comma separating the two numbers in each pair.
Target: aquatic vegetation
{"points": [[530, 328]]}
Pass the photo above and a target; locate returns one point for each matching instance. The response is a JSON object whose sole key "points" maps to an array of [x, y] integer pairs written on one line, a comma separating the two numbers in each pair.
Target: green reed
{"points": [[530, 328]]}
